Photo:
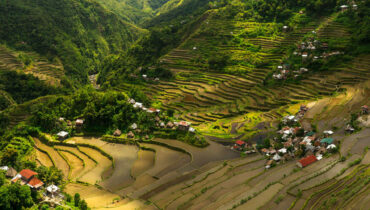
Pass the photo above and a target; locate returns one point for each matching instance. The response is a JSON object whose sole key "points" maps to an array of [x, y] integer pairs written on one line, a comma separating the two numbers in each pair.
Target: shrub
{"points": [[77, 199], [278, 199]]}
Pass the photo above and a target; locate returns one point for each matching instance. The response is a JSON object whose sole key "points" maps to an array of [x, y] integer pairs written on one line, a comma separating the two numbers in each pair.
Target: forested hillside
{"points": [[80, 33], [184, 104], [136, 11]]}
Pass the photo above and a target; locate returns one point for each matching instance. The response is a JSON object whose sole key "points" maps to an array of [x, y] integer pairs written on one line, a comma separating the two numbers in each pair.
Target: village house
{"points": [[79, 122], [276, 157], [331, 147], [328, 133], [183, 125], [239, 145], [350, 129], [285, 28], [27, 176], [306, 161], [9, 171], [62, 135], [131, 101], [153, 110], [344, 8], [133, 126], [52, 191], [269, 164], [117, 132], [130, 135], [169, 125], [326, 141], [138, 105], [365, 109], [304, 55]]}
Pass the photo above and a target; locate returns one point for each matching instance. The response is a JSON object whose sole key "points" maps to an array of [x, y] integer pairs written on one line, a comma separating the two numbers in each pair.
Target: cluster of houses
{"points": [[182, 125], [345, 7], [145, 77], [52, 193], [28, 177], [243, 146], [64, 134], [294, 141], [139, 105], [364, 111], [309, 50]]}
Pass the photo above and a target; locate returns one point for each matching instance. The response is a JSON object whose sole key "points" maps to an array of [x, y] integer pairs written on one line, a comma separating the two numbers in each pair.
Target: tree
{"points": [[15, 196], [10, 155], [77, 199], [45, 207], [218, 61], [83, 205], [2, 178], [50, 175]]}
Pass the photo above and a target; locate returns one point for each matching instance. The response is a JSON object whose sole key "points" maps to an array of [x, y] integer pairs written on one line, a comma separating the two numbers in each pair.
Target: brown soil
{"points": [[94, 197], [144, 162], [124, 157], [260, 199], [94, 175]]}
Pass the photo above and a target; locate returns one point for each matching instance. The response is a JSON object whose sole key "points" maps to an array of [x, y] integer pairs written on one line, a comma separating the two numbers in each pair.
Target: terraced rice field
{"points": [[40, 67], [59, 160], [43, 158], [80, 162], [124, 157], [206, 96], [103, 164]]}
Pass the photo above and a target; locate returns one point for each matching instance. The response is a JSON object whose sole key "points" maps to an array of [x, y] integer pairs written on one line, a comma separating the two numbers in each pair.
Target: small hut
{"points": [[62, 135], [130, 135], [52, 190], [117, 132], [344, 8], [79, 122]]}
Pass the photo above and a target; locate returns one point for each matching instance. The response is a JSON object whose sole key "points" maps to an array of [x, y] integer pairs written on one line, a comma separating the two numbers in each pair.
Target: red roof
{"points": [[183, 123], [27, 173], [365, 107], [35, 182], [240, 142], [307, 160], [152, 109]]}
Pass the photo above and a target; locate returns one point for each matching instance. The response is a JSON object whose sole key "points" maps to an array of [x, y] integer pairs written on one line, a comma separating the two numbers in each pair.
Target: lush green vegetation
{"points": [[23, 87], [101, 111], [136, 11], [81, 33]]}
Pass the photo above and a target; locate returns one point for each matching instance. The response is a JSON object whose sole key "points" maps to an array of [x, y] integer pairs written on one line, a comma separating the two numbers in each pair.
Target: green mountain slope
{"points": [[135, 11], [80, 33]]}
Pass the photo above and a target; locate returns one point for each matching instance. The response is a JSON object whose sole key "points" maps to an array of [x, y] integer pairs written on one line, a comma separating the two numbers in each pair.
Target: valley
{"points": [[187, 104]]}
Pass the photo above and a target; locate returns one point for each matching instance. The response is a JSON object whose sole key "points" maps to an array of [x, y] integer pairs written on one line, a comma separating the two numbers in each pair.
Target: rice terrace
{"points": [[191, 104]]}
